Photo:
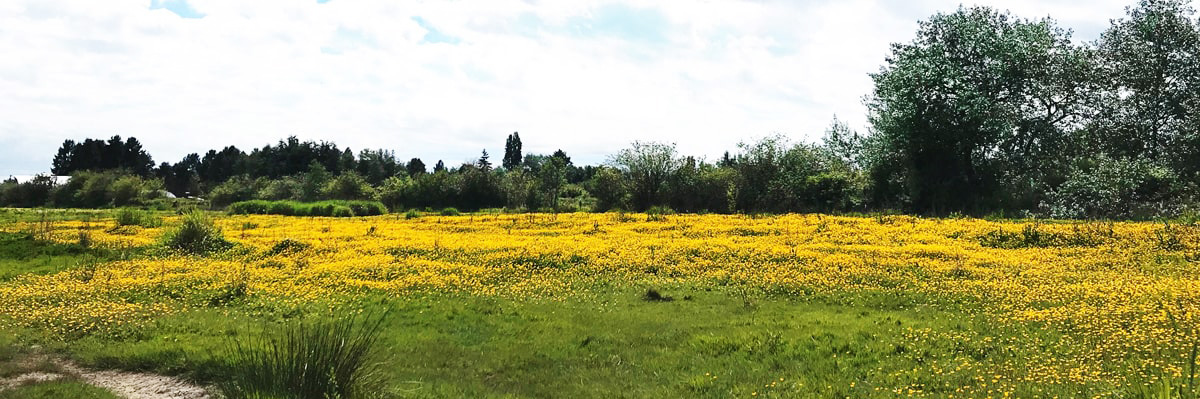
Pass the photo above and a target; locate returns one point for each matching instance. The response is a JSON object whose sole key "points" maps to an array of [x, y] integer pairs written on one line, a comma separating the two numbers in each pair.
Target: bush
{"points": [[450, 212], [1116, 189], [412, 214], [255, 207], [348, 186], [125, 191], [341, 212], [34, 193], [196, 235], [135, 217], [239, 188], [288, 246], [396, 192], [323, 359], [282, 189], [323, 208], [658, 213]]}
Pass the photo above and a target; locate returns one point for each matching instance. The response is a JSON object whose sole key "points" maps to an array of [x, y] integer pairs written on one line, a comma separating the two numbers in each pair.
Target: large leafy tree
{"points": [[648, 166], [1150, 64], [978, 92]]}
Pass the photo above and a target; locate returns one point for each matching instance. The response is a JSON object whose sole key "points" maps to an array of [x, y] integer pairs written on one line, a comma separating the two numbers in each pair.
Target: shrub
{"points": [[125, 191], [341, 211], [33, 193], [366, 208], [196, 235], [1114, 188], [323, 208], [255, 207], [412, 214], [281, 208], [135, 217], [658, 213], [288, 246], [322, 359], [450, 212], [396, 192], [282, 189], [348, 186], [239, 188]]}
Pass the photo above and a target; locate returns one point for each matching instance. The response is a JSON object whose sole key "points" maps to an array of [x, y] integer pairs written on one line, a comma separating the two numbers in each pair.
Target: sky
{"points": [[447, 79]]}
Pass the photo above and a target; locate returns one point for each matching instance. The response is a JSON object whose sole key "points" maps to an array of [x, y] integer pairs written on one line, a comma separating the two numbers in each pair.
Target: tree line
{"points": [[983, 112]]}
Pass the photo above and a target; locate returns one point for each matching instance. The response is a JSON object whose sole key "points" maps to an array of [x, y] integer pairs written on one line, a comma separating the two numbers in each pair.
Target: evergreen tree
{"points": [[416, 167], [63, 160], [483, 163], [512, 151]]}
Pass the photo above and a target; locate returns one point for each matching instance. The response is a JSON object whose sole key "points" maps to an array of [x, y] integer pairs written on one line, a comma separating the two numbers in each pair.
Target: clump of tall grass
{"points": [[331, 358], [320, 208], [450, 212], [135, 217], [197, 234]]}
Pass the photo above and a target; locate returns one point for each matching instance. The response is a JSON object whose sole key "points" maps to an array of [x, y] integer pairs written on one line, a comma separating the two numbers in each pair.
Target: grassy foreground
{"points": [[632, 305]]}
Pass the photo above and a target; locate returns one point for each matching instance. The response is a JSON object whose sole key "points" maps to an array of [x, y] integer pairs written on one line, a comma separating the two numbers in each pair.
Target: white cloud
{"points": [[362, 74]]}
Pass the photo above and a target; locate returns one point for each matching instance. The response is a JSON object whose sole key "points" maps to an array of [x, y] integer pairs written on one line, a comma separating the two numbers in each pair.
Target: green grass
{"points": [[136, 217], [21, 254], [61, 389], [602, 344], [327, 358]]}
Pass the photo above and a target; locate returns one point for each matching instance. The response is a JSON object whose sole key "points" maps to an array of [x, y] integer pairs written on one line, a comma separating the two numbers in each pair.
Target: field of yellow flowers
{"points": [[989, 308]]}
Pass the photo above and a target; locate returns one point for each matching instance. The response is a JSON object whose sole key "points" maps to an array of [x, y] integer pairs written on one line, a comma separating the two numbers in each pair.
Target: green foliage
{"points": [[102, 155], [131, 190], [700, 187], [610, 188], [512, 152], [31, 194], [239, 188], [450, 212], [325, 358], [478, 188], [658, 213], [978, 99], [348, 187], [320, 208], [197, 235], [648, 165], [288, 246], [1031, 236], [412, 214], [282, 189], [1147, 106], [552, 177], [1115, 189], [396, 192]]}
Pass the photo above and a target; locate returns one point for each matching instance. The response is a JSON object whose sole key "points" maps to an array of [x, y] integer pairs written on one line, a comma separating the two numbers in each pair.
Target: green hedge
{"points": [[321, 208]]}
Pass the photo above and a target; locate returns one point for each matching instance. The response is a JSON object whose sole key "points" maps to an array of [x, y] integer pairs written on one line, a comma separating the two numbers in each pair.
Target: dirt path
{"points": [[125, 384]]}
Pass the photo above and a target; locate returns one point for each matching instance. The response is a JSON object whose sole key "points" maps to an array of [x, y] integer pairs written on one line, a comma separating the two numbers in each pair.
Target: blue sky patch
{"points": [[348, 39], [179, 7], [432, 35], [623, 21]]}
